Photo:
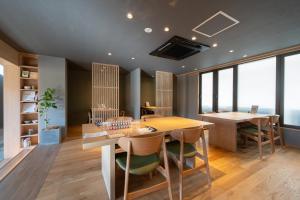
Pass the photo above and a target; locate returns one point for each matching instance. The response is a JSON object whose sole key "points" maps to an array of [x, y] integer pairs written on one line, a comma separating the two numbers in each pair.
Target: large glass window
{"points": [[257, 85], [207, 92], [291, 90], [225, 90]]}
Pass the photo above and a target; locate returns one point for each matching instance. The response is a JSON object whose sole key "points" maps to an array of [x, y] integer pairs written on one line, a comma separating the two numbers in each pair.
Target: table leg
{"points": [[108, 169]]}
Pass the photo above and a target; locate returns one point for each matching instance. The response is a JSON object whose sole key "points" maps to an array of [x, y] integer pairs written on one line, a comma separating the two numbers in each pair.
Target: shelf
{"points": [[32, 135], [30, 124], [23, 78], [28, 113], [29, 148], [28, 101], [29, 90], [29, 67]]}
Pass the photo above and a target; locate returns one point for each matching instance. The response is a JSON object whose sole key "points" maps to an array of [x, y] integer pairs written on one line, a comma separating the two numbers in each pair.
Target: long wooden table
{"points": [[224, 134], [107, 142]]}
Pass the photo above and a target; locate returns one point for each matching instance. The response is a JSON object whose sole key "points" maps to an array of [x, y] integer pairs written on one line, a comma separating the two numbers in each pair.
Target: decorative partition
{"points": [[164, 93], [105, 91]]}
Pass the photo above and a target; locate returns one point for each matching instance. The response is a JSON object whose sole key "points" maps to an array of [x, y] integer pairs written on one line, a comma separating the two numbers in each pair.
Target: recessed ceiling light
{"points": [[182, 66], [231, 51], [148, 30], [244, 56], [215, 44], [194, 38], [166, 29], [129, 15], [132, 58], [109, 54]]}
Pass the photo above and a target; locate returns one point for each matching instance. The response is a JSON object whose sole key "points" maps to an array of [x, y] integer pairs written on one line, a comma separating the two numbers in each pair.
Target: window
{"points": [[207, 92], [225, 90], [257, 85], [291, 90]]}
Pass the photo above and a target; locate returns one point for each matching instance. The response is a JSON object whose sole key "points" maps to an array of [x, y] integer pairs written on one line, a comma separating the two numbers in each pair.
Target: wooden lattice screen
{"points": [[105, 91], [164, 93]]}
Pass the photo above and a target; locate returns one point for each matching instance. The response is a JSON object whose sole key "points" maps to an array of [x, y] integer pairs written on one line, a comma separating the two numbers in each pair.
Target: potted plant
{"points": [[47, 102]]}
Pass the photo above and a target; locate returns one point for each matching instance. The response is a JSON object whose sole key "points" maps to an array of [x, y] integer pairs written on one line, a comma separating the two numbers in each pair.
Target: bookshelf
{"points": [[29, 84]]}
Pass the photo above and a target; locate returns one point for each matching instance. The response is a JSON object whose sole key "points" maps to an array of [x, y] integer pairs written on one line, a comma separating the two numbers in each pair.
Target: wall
{"points": [[147, 89], [53, 75], [11, 101], [8, 53], [1, 98], [79, 95], [133, 82]]}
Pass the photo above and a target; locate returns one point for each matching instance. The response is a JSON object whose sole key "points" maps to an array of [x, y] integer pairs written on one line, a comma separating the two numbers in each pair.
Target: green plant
{"points": [[46, 102]]}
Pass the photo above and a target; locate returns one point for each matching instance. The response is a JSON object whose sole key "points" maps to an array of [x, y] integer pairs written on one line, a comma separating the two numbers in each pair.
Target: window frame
{"points": [[281, 81], [279, 87]]}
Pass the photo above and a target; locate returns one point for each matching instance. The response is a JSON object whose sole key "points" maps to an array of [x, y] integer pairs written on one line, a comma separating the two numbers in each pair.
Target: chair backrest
{"points": [[275, 119], [142, 145], [144, 117], [261, 121], [254, 109], [190, 135]]}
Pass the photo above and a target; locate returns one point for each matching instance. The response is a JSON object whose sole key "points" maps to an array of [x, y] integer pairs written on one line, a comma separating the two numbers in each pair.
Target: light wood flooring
{"points": [[75, 174]]}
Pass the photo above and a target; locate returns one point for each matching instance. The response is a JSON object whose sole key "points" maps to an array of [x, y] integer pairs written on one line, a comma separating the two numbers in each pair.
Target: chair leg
{"points": [[206, 159], [260, 146], [127, 173], [280, 137], [271, 136], [180, 181], [181, 163], [166, 165]]}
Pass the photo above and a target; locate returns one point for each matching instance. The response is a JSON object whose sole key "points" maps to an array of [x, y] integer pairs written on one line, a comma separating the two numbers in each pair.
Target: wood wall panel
{"points": [[164, 93], [105, 91]]}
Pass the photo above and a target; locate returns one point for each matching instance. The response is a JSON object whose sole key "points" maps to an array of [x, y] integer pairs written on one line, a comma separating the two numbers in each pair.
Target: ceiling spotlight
{"points": [[148, 30], [194, 38], [244, 56], [109, 54], [182, 66], [166, 29], [132, 58], [214, 45], [129, 15], [231, 51]]}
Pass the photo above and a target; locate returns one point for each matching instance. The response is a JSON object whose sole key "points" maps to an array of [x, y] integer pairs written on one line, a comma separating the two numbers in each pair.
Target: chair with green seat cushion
{"points": [[141, 157], [139, 165], [174, 148], [184, 148], [259, 131]]}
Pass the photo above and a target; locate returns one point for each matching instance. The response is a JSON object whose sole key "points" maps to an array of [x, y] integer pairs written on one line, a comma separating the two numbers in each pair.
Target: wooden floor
{"points": [[75, 174]]}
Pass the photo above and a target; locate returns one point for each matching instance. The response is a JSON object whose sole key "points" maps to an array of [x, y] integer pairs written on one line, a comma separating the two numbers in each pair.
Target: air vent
{"points": [[216, 24], [178, 48]]}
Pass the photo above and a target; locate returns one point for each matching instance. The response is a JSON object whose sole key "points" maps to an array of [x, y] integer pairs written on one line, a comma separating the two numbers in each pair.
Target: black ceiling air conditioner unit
{"points": [[178, 48]]}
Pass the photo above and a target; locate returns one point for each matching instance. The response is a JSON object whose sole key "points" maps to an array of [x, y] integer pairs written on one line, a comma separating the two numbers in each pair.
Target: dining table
{"points": [[224, 134], [95, 137]]}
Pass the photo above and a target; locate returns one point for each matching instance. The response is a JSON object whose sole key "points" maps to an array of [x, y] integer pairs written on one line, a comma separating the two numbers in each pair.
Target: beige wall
{"points": [[11, 111], [11, 97], [8, 54]]}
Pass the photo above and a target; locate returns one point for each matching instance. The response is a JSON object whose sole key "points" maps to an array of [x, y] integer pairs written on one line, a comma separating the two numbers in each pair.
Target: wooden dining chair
{"points": [[260, 132], [142, 157], [184, 147], [276, 131], [254, 109]]}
